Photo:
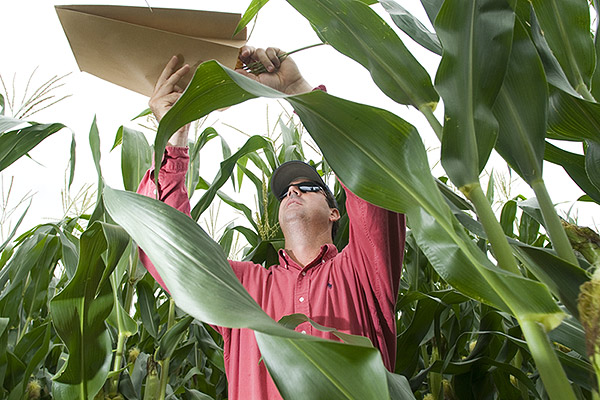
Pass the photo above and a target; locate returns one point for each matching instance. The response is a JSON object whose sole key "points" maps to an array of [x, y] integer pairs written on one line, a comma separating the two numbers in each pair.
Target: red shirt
{"points": [[353, 291]]}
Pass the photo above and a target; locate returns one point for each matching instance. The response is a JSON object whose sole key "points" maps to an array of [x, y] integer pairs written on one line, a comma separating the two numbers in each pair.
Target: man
{"points": [[353, 291]]}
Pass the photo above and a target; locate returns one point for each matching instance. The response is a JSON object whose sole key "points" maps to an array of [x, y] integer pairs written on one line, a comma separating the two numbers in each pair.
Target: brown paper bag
{"points": [[130, 46]]}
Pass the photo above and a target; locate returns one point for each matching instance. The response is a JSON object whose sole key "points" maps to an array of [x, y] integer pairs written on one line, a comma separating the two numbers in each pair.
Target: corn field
{"points": [[491, 305]]}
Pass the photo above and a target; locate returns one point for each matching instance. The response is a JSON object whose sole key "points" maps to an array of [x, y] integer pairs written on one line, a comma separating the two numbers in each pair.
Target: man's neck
{"points": [[305, 248]]}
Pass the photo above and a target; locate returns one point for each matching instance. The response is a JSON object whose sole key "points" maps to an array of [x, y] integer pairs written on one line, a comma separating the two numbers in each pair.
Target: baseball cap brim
{"points": [[291, 170]]}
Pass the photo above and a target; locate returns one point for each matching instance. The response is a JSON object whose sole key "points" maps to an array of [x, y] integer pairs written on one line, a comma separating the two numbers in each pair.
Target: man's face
{"points": [[306, 208]]}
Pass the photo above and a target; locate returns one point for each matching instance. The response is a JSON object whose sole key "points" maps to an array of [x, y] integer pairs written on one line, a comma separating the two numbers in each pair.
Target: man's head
{"points": [[296, 181]]}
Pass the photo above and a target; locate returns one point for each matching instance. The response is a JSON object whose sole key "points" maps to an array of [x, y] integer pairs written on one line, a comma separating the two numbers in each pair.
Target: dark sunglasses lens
{"points": [[309, 188], [304, 187]]}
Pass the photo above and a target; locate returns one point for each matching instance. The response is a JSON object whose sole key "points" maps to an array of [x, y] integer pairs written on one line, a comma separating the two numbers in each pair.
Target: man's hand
{"points": [[281, 75], [166, 92]]}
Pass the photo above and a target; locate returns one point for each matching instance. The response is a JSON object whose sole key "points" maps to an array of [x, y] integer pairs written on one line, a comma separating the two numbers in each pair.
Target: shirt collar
{"points": [[328, 251]]}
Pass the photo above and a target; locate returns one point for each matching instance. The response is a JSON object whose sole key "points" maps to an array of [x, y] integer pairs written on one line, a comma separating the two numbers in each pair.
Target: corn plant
{"points": [[511, 75], [489, 307]]}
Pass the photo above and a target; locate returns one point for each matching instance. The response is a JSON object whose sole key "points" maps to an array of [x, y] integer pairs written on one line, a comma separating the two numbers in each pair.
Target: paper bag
{"points": [[130, 46]]}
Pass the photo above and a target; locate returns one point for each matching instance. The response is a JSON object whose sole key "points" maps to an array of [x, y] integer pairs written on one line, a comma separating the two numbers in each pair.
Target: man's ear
{"points": [[334, 215]]}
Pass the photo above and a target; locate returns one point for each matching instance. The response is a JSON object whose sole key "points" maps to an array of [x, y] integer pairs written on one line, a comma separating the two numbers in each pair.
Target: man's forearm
{"points": [[180, 138]]}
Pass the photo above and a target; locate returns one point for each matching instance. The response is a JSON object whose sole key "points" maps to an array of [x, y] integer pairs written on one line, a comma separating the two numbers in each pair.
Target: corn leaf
{"points": [[572, 118], [250, 13], [179, 248], [476, 36], [14, 230], [566, 27], [357, 31], [574, 164], [15, 144], [412, 26], [592, 162], [72, 160], [8, 123], [432, 8], [147, 308], [381, 158], [169, 341], [225, 171], [330, 370], [136, 157], [520, 109], [395, 175], [562, 278], [3, 346], [554, 72], [79, 312], [31, 350]]}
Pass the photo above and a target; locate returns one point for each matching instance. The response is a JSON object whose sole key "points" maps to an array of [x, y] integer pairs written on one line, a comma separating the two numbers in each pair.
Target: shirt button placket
{"points": [[302, 302]]}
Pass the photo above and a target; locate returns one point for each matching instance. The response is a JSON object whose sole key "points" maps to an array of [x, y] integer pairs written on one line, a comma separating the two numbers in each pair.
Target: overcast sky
{"points": [[33, 37]]}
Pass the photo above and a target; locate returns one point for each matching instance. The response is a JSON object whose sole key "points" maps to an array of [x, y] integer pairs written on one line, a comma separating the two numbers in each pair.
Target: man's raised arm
{"points": [[282, 75]]}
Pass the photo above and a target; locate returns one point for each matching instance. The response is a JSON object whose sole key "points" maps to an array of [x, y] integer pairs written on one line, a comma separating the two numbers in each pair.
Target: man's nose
{"points": [[293, 191]]}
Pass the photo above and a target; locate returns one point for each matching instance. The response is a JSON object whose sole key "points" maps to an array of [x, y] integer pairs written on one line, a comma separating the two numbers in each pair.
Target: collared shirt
{"points": [[353, 291]]}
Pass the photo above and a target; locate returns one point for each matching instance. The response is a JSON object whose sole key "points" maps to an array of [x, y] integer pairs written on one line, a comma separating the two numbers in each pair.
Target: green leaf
{"points": [[357, 31], [225, 171], [31, 350], [592, 163], [154, 225], [240, 207], [3, 346], [70, 254], [210, 89], [192, 176], [9, 123], [118, 138], [570, 333], [566, 27], [147, 306], [293, 320], [412, 26], [250, 13], [394, 175], [399, 387], [136, 158], [119, 317], [94, 138], [432, 8], [562, 278], [14, 230], [79, 311], [520, 109], [327, 364], [476, 36], [554, 72], [72, 160], [168, 342], [508, 216], [147, 222], [38, 251], [574, 164], [35, 295], [489, 193], [572, 118], [15, 144], [147, 111]]}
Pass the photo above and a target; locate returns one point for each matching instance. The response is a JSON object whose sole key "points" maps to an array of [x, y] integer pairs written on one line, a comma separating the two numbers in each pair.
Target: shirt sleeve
{"points": [[171, 190], [376, 248]]}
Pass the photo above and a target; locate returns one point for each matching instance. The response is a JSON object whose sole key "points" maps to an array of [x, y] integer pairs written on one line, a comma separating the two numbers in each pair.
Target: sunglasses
{"points": [[304, 187]]}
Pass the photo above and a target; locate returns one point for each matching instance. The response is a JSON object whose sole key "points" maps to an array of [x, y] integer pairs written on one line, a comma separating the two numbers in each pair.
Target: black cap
{"points": [[291, 170]]}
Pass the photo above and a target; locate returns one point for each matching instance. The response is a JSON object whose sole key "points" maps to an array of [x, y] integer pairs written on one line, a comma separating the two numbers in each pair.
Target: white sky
{"points": [[33, 37]]}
